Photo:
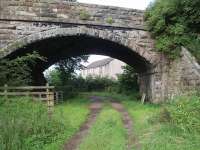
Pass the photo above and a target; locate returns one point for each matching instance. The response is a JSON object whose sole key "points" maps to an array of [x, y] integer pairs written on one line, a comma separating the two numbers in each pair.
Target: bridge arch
{"points": [[59, 43], [129, 39]]}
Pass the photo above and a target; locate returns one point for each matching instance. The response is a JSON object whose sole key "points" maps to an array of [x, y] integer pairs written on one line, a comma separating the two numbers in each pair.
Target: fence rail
{"points": [[44, 93], [26, 87]]}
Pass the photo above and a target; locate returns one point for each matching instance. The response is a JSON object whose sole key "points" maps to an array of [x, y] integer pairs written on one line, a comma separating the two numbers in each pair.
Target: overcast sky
{"points": [[136, 4]]}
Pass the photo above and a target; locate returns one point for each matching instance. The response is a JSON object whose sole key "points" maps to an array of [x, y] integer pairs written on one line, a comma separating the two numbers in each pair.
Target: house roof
{"points": [[99, 63]]}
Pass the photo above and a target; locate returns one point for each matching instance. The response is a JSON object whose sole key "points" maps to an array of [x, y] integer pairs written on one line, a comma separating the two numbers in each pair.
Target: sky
{"points": [[135, 4]]}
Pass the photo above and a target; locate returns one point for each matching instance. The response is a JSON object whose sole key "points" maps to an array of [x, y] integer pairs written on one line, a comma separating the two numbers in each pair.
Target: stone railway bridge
{"points": [[58, 29]]}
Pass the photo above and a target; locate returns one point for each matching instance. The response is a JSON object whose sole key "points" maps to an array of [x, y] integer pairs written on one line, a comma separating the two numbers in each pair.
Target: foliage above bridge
{"points": [[175, 23]]}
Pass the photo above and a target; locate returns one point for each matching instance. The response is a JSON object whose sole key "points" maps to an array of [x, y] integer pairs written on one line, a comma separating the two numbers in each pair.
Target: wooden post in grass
{"points": [[143, 98], [61, 96], [49, 100], [6, 91], [56, 97]]}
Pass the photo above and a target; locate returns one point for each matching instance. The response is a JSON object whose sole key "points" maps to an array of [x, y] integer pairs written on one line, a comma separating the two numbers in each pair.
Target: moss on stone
{"points": [[109, 20]]}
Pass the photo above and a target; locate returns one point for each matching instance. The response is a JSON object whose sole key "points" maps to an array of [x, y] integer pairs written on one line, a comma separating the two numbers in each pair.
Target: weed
{"points": [[84, 15], [110, 20]]}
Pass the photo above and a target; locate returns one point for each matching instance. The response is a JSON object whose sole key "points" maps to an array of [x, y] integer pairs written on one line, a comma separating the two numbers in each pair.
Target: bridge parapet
{"points": [[69, 12]]}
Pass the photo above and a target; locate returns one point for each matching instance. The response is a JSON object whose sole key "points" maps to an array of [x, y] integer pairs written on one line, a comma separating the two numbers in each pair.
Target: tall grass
{"points": [[72, 114], [25, 125], [184, 113], [173, 126]]}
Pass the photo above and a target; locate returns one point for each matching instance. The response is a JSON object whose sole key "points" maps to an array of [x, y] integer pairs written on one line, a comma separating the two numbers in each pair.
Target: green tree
{"points": [[175, 23], [98, 83], [53, 77], [128, 80], [65, 70], [18, 71]]}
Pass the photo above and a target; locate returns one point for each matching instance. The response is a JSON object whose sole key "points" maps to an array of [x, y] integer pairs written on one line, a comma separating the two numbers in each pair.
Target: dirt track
{"points": [[128, 125], [95, 107], [75, 141]]}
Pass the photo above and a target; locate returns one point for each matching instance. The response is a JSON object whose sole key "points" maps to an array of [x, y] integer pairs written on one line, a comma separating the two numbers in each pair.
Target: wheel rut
{"points": [[95, 108], [75, 141], [128, 125]]}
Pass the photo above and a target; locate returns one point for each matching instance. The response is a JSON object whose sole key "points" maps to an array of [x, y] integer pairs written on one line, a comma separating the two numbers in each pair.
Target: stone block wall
{"points": [[181, 75], [69, 12]]}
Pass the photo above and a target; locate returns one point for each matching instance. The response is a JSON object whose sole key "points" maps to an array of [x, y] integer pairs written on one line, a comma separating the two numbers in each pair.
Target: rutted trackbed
{"points": [[132, 141], [75, 141], [95, 107]]}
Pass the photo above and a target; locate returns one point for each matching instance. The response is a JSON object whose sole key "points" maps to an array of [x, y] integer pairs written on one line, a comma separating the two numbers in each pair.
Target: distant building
{"points": [[108, 67]]}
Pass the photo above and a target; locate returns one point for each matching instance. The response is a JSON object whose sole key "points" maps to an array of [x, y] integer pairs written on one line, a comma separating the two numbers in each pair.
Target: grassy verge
{"points": [[172, 126], [107, 133], [72, 114], [168, 127], [24, 124]]}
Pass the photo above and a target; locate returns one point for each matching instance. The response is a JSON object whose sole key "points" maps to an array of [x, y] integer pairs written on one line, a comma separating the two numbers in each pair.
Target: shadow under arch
{"points": [[58, 48], [56, 45]]}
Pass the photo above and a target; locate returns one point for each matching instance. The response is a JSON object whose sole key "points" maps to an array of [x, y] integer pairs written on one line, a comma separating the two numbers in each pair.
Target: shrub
{"points": [[110, 20], [127, 81], [183, 113], [18, 71], [98, 83], [79, 84], [84, 15], [175, 23]]}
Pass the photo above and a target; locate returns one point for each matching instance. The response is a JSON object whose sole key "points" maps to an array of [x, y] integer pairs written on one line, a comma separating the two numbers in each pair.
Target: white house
{"points": [[108, 67]]}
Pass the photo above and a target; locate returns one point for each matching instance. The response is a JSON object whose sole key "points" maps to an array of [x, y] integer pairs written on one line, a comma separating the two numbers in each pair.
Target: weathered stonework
{"points": [[25, 23]]}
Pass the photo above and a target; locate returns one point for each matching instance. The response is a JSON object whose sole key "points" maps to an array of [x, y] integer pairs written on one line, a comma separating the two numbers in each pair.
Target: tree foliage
{"points": [[126, 83], [128, 80], [65, 70], [175, 23], [18, 71]]}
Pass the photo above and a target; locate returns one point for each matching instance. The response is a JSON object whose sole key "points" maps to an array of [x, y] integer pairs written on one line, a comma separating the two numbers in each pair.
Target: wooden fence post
{"points": [[6, 91], [56, 97], [61, 96], [50, 100], [143, 98]]}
